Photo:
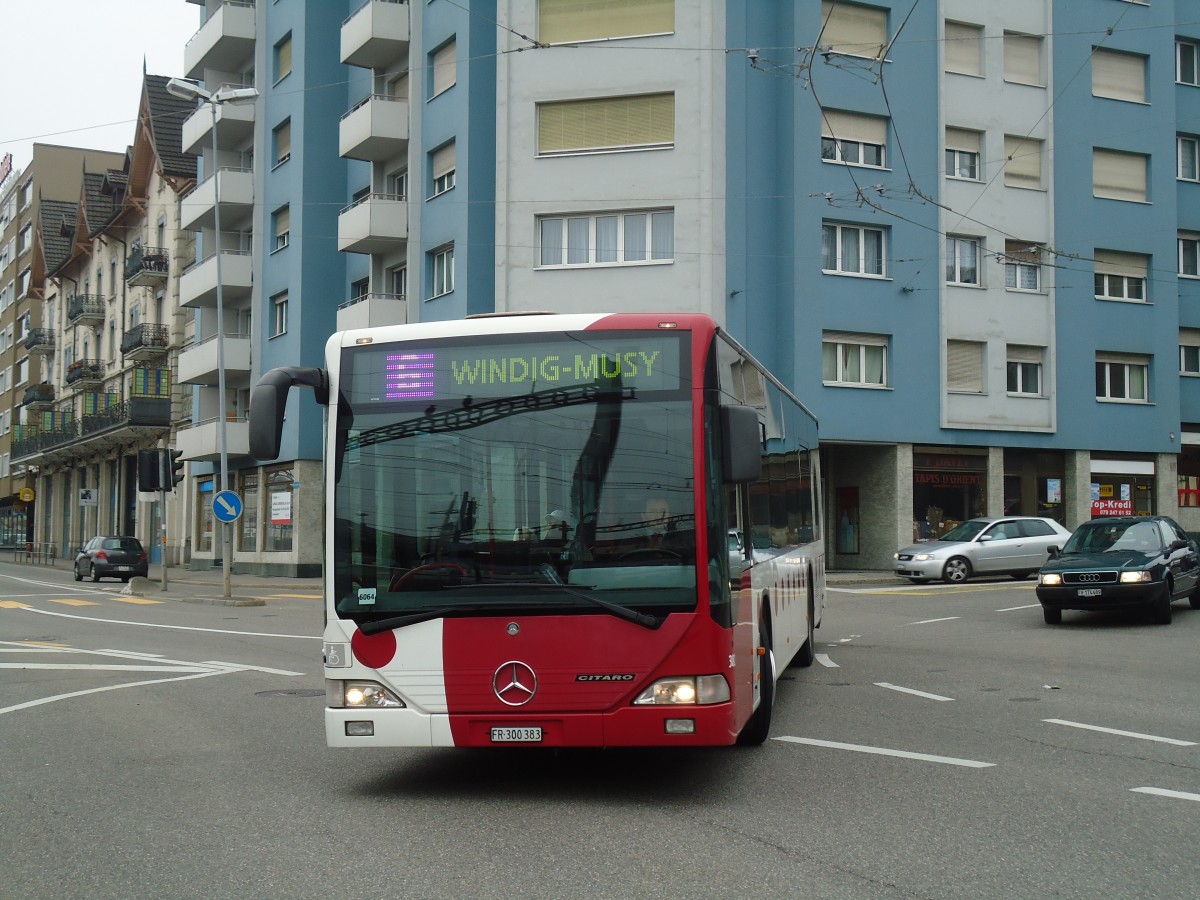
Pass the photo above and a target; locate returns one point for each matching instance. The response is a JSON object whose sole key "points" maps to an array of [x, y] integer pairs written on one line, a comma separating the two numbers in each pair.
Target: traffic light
{"points": [[148, 473], [170, 469]]}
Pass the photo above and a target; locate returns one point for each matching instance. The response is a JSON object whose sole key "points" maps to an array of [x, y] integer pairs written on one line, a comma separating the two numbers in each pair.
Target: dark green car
{"points": [[1122, 562]]}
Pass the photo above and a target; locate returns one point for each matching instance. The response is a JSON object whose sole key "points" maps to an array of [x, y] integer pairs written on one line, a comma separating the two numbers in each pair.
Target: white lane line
{"points": [[928, 621], [244, 667], [904, 690], [112, 687], [61, 615], [1117, 731], [1027, 606], [1163, 792], [823, 659], [883, 751], [97, 667]]}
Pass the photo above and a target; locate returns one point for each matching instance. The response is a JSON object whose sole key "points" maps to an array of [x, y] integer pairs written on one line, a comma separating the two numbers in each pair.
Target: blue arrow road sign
{"points": [[226, 506]]}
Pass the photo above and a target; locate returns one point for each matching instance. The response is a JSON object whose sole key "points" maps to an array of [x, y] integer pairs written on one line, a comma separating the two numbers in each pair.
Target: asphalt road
{"points": [[946, 744]]}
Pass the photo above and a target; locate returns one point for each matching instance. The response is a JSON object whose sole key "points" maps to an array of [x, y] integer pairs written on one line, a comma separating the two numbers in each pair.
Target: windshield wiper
{"points": [[621, 612], [424, 616]]}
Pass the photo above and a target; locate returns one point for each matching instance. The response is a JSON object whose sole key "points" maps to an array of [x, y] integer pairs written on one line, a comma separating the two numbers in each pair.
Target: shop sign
{"points": [[1112, 507], [948, 479]]}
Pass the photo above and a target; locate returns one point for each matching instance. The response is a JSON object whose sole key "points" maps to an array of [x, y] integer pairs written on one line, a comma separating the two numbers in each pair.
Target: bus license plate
{"points": [[1088, 592], [516, 735]]}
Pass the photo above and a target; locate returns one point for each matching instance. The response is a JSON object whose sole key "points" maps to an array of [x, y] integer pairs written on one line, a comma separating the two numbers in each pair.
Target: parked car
{"points": [[1122, 562], [108, 556], [989, 545]]}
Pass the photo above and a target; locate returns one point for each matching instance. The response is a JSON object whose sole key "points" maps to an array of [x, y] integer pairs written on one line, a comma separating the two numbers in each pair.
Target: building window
{"points": [[282, 58], [1122, 377], [25, 240], [282, 138], [964, 48], [279, 309], [444, 62], [1187, 55], [399, 281], [642, 122], [853, 30], [280, 512], [1189, 351], [962, 260], [1119, 176], [964, 366], [569, 21], [248, 523], [852, 250], [853, 139], [607, 239], [398, 184], [1022, 266], [1022, 162], [1023, 58], [1189, 255], [442, 169], [1025, 370], [443, 270], [1121, 276], [1118, 76], [962, 153], [281, 223], [858, 360], [1186, 154]]}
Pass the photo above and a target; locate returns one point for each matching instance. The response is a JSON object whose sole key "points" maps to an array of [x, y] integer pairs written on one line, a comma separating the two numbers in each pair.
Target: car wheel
{"points": [[1052, 616], [957, 570], [95, 574], [78, 574], [1161, 611]]}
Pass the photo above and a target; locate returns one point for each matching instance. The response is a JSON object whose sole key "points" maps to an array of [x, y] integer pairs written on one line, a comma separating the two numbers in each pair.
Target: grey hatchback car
{"points": [[111, 557], [989, 545]]}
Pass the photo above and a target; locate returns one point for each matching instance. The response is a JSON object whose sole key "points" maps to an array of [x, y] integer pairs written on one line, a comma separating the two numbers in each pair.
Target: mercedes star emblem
{"points": [[514, 683]]}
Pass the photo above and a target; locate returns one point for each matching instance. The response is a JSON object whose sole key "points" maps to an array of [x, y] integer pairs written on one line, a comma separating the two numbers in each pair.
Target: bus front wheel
{"points": [[758, 726]]}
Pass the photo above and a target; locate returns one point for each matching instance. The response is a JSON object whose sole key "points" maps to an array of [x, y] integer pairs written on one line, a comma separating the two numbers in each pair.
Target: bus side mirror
{"points": [[741, 444], [267, 403]]}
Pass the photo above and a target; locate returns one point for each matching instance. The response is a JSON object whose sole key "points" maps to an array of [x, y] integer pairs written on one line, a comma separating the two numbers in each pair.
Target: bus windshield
{"points": [[539, 473]]}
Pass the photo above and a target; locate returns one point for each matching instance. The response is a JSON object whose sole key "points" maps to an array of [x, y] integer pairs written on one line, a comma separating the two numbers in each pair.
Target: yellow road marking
{"points": [[300, 596], [13, 604], [142, 600], [73, 602], [46, 643]]}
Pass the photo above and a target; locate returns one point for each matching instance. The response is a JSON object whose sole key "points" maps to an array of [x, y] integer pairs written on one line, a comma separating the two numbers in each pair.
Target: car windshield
{"points": [[131, 545], [1116, 537], [964, 532]]}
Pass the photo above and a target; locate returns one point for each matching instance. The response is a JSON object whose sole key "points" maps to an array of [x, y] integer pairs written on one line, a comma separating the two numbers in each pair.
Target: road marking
{"points": [[47, 612], [241, 667], [929, 621], [97, 667], [904, 690], [141, 600], [69, 601], [112, 687], [883, 751], [1116, 731], [823, 659], [12, 604], [1026, 606], [1163, 792], [300, 596]]}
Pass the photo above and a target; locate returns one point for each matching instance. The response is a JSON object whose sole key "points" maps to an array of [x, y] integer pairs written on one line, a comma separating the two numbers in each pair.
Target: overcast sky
{"points": [[71, 70]]}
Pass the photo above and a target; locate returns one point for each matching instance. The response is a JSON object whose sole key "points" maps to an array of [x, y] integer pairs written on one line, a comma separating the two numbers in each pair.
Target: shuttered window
{"points": [[283, 58], [445, 64], [1189, 351], [964, 366], [563, 21], [606, 123], [1022, 161], [853, 30], [442, 166], [1121, 76], [1024, 369], [1122, 376], [1121, 276], [1022, 58], [1022, 266], [1118, 176], [283, 142], [853, 138], [963, 150], [283, 226], [964, 48]]}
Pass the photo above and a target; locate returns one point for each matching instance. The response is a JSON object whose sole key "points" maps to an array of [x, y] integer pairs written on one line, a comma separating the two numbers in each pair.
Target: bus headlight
{"points": [[685, 690], [360, 695]]}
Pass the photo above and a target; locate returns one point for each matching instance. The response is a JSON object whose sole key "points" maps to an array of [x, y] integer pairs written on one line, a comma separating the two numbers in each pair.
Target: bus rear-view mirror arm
{"points": [[268, 400], [741, 444]]}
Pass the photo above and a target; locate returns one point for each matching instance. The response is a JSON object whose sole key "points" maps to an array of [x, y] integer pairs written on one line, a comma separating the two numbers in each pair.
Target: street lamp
{"points": [[187, 90]]}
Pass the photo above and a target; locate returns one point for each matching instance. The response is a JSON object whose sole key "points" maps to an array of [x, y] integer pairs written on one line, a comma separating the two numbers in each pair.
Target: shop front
{"points": [[1122, 486], [1034, 482], [949, 485]]}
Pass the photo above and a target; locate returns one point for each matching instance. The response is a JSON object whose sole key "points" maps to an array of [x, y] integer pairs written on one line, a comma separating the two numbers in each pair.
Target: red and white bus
{"points": [[558, 530]]}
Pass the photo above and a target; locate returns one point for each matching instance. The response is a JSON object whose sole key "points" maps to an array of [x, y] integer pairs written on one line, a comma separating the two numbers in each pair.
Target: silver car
{"points": [[989, 545]]}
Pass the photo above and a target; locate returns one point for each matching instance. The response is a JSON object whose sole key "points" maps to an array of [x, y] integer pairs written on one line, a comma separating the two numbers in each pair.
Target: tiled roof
{"points": [[56, 240], [167, 114], [98, 204]]}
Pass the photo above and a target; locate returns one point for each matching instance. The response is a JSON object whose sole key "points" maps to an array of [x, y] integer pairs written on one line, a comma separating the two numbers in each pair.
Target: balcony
{"points": [[85, 373], [147, 266], [40, 341], [145, 341], [235, 126], [237, 199], [135, 419], [374, 224], [370, 310], [375, 129], [198, 362], [225, 41], [38, 397], [86, 309], [375, 34], [201, 441], [198, 286]]}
